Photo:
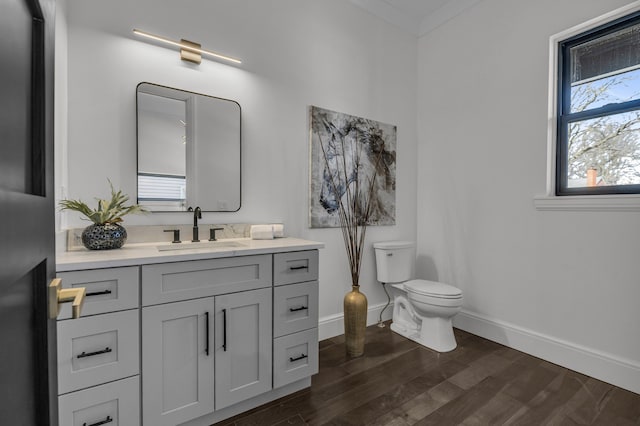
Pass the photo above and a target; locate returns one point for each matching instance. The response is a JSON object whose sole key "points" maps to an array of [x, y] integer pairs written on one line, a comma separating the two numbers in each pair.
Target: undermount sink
{"points": [[203, 245]]}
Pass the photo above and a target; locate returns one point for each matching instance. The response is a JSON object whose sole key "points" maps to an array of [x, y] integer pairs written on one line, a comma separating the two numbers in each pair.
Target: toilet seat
{"points": [[433, 289]]}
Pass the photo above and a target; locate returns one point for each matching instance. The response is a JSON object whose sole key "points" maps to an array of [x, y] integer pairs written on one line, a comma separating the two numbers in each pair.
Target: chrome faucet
{"points": [[197, 214]]}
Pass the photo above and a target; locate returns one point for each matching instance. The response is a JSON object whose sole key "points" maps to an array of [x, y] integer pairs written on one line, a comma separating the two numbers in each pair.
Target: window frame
{"points": [[562, 44]]}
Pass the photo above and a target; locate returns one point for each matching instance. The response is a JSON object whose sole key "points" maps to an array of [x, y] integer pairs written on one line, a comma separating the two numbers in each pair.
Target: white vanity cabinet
{"points": [[295, 316], [187, 338], [185, 363], [207, 353], [99, 353]]}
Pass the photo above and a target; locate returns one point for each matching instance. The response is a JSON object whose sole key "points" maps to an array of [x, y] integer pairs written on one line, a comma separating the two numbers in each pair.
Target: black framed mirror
{"points": [[188, 150]]}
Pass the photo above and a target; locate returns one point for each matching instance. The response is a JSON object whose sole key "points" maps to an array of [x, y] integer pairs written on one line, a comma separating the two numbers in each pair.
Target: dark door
{"points": [[28, 385]]}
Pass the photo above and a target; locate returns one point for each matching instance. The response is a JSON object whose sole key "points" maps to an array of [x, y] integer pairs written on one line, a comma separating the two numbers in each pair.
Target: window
{"points": [[162, 191], [598, 110]]}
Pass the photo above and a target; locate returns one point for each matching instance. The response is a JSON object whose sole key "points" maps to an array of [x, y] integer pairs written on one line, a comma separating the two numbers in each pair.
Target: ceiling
{"points": [[418, 17]]}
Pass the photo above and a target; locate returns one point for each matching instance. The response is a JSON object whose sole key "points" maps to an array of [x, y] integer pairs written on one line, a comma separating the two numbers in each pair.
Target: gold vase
{"points": [[355, 321]]}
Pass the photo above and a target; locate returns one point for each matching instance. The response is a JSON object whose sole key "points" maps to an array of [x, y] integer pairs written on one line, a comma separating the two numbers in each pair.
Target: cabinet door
{"points": [[243, 346], [177, 362]]}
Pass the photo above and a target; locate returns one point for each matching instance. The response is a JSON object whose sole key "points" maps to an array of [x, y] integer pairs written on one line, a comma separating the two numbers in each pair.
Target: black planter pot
{"points": [[104, 237]]}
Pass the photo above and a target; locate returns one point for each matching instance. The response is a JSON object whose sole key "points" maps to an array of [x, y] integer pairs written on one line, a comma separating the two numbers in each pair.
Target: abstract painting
{"points": [[361, 146]]}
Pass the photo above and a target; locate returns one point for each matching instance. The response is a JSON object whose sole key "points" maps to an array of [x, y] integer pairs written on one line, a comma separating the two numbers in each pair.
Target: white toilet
{"points": [[422, 310]]}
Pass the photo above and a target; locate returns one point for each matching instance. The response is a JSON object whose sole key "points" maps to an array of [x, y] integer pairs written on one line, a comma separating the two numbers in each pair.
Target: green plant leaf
{"points": [[108, 211]]}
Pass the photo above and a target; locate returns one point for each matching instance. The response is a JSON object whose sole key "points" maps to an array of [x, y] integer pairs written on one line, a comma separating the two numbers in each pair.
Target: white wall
{"points": [[60, 116], [561, 285], [296, 53]]}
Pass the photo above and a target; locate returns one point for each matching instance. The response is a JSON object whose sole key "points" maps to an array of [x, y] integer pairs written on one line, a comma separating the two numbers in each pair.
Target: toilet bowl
{"points": [[426, 318], [422, 310]]}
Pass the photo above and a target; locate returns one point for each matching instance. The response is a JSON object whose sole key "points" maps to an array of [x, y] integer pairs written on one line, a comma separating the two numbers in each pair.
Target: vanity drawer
{"points": [[295, 308], [97, 349], [113, 404], [171, 282], [295, 356], [108, 290], [295, 267]]}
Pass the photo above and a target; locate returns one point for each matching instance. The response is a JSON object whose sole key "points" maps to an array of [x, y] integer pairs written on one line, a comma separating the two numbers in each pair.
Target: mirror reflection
{"points": [[188, 150]]}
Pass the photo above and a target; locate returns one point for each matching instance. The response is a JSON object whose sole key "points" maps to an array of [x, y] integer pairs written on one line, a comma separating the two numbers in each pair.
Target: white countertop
{"points": [[148, 253]]}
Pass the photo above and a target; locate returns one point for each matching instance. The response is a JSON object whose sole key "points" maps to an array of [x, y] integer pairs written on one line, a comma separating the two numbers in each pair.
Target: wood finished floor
{"points": [[398, 382]]}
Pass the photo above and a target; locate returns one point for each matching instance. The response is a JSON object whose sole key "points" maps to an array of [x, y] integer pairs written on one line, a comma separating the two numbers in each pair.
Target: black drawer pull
{"points": [[103, 422], [104, 351], [303, 356], [295, 268], [224, 330], [301, 308], [98, 293], [206, 330]]}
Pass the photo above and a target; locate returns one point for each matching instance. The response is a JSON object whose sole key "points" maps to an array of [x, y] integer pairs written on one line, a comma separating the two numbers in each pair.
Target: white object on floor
{"points": [[422, 310]]}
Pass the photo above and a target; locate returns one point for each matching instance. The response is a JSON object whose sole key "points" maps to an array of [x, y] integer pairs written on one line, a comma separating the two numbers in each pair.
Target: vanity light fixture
{"points": [[189, 51]]}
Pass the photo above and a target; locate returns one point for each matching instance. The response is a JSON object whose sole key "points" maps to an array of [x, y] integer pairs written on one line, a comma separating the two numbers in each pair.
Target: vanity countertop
{"points": [[149, 253]]}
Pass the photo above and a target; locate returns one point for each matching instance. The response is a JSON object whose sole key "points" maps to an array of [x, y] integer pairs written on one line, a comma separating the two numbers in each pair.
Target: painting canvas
{"points": [[361, 145]]}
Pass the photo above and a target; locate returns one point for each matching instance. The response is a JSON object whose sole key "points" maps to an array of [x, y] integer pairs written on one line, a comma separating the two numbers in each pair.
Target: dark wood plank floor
{"points": [[398, 382]]}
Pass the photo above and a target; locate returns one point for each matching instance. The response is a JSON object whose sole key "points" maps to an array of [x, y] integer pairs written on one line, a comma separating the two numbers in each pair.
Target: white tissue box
{"points": [[261, 232]]}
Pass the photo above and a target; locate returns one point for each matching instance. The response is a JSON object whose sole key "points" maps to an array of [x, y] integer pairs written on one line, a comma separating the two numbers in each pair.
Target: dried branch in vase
{"points": [[353, 191]]}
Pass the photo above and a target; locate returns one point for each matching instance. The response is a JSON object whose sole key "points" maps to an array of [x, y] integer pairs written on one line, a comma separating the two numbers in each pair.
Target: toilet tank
{"points": [[395, 261]]}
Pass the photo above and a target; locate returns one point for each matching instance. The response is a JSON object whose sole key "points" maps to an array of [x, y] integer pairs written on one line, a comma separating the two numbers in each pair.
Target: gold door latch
{"points": [[58, 295]]}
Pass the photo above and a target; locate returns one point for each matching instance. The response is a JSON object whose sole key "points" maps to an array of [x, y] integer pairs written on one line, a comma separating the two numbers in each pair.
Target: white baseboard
{"points": [[609, 368], [333, 325]]}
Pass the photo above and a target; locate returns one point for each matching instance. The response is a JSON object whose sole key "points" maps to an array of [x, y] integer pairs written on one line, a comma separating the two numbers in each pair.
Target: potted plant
{"points": [[106, 232], [353, 186]]}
